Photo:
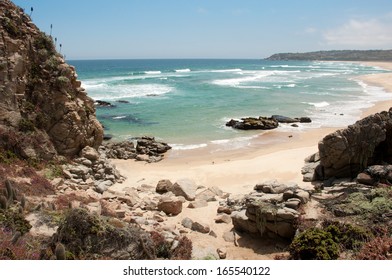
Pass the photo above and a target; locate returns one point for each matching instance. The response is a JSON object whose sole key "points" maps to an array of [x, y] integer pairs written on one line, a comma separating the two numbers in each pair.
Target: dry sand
{"points": [[238, 171]]}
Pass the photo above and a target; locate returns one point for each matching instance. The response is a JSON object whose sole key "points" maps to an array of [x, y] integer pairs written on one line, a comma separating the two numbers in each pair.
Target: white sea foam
{"points": [[152, 72], [182, 70], [119, 117], [233, 143], [225, 70], [114, 92], [318, 104], [182, 147], [248, 76]]}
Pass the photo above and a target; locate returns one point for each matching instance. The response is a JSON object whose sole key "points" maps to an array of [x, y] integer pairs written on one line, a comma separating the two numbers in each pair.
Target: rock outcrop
{"points": [[139, 148], [271, 210], [265, 123], [347, 152], [43, 109], [254, 123]]}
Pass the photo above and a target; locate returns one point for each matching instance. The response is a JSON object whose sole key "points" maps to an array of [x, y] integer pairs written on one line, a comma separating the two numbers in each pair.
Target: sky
{"points": [[136, 29]]}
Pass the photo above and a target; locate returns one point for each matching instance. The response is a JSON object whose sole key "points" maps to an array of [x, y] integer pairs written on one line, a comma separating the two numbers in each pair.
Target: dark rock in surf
{"points": [[262, 123], [103, 104], [283, 119]]}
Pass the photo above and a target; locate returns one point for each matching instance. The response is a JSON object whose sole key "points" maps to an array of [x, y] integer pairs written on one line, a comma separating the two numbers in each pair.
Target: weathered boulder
{"points": [[89, 153], [164, 186], [139, 148], [200, 227], [198, 204], [283, 119], [242, 223], [262, 123], [186, 188], [187, 223], [349, 151], [170, 205]]}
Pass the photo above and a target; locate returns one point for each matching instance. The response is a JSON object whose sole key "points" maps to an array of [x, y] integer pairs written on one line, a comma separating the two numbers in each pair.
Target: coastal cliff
{"points": [[44, 112], [336, 55]]}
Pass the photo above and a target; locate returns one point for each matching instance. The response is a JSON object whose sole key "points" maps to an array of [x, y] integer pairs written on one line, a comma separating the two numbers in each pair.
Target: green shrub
{"points": [[14, 220], [43, 41], [314, 244], [346, 235], [26, 125], [10, 27], [62, 81]]}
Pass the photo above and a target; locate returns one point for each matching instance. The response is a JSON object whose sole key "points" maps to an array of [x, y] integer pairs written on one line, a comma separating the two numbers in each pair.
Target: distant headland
{"points": [[334, 55]]}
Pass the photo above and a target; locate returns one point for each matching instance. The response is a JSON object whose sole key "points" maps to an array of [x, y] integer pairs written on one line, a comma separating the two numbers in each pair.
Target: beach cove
{"points": [[237, 171]]}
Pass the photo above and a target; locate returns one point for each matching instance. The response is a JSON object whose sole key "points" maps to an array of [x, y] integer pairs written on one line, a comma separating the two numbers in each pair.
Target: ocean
{"points": [[186, 102]]}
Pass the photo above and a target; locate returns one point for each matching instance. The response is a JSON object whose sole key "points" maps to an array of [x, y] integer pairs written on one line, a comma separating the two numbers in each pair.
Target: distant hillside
{"points": [[350, 55]]}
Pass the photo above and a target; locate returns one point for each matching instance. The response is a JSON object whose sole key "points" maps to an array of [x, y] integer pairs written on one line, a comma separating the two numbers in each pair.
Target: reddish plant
{"points": [[380, 248], [22, 248], [184, 249]]}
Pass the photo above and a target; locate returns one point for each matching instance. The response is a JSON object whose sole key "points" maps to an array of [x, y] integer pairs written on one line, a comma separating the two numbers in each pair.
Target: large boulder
{"points": [[349, 151], [170, 205], [186, 188]]}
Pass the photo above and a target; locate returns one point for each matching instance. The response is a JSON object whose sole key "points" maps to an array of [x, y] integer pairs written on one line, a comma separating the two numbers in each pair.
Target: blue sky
{"points": [[90, 29]]}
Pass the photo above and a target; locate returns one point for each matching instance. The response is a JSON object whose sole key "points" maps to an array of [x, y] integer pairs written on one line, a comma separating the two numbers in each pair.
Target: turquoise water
{"points": [[188, 102]]}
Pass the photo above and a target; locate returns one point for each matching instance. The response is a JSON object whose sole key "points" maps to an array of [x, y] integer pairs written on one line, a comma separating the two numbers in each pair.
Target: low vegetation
{"points": [[337, 55]]}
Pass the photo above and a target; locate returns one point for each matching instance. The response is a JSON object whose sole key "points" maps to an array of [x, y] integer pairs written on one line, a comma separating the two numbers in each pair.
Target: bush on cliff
{"points": [[314, 244], [87, 236]]}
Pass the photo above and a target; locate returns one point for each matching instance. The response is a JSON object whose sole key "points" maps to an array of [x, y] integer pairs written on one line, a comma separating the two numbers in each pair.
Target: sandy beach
{"points": [[237, 172]]}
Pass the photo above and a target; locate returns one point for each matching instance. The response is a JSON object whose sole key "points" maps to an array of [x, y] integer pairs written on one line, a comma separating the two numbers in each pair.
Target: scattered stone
{"points": [[224, 218], [103, 186], [366, 179], [198, 204], [222, 253], [89, 153], [186, 188], [200, 227], [187, 223], [164, 186], [207, 195], [158, 218], [170, 205], [213, 234], [224, 209], [228, 236]]}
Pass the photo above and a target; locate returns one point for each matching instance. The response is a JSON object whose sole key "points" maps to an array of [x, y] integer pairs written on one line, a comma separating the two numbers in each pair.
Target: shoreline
{"points": [[271, 155], [223, 167]]}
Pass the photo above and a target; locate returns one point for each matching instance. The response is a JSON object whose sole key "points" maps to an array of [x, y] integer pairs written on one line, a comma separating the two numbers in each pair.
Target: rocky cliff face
{"points": [[347, 152], [43, 109]]}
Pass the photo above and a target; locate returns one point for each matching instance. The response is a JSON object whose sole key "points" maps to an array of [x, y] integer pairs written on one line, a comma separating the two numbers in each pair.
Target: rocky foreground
{"points": [[57, 181]]}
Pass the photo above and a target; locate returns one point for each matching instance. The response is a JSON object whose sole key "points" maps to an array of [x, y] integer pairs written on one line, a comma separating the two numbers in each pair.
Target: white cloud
{"points": [[372, 33]]}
